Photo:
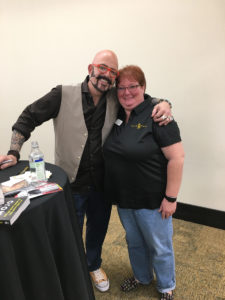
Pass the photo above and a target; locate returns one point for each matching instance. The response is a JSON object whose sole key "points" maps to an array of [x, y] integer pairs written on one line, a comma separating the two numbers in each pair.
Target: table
{"points": [[42, 255]]}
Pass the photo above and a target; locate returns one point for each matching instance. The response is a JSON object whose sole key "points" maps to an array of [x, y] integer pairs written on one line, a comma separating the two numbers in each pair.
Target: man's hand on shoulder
{"points": [[7, 161], [162, 113]]}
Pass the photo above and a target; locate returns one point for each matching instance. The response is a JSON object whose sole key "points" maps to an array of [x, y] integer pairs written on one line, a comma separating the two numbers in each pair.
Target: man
{"points": [[83, 116]]}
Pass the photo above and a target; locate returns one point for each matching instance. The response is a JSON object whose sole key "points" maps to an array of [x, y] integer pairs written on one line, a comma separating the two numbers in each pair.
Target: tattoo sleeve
{"points": [[17, 141]]}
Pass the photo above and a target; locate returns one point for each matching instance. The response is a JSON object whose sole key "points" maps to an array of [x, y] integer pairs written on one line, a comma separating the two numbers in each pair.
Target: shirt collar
{"points": [[84, 86], [138, 109]]}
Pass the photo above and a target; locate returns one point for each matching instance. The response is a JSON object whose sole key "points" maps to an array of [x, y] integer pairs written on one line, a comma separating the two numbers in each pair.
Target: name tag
{"points": [[118, 122]]}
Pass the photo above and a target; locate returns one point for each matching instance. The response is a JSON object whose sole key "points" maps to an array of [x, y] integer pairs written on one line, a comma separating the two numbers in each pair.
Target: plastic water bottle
{"points": [[37, 163]]}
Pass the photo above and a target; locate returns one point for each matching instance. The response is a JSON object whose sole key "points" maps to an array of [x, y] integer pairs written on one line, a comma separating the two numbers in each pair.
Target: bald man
{"points": [[83, 115]]}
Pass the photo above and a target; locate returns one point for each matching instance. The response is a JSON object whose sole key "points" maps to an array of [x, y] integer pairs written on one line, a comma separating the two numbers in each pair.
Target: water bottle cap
{"points": [[34, 144]]}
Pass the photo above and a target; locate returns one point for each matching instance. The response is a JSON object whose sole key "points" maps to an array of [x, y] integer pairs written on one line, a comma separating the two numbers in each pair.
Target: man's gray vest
{"points": [[70, 128]]}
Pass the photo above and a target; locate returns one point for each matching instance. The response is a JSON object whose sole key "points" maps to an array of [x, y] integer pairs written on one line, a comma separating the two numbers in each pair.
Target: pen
{"points": [[6, 162], [23, 171]]}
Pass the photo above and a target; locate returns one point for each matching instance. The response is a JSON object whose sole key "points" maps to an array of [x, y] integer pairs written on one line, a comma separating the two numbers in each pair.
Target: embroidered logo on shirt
{"points": [[138, 126]]}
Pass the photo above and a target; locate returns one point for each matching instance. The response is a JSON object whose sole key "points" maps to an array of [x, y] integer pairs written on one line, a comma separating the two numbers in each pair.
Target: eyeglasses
{"points": [[103, 69], [131, 88]]}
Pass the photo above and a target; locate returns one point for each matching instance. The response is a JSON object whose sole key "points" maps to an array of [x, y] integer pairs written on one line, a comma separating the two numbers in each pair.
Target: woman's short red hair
{"points": [[132, 72]]}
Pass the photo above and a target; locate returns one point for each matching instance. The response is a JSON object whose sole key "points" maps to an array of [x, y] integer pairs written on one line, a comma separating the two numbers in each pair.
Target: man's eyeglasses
{"points": [[103, 69], [131, 88]]}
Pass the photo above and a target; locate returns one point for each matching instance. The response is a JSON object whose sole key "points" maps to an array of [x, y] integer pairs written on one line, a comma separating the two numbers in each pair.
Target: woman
{"points": [[144, 164]]}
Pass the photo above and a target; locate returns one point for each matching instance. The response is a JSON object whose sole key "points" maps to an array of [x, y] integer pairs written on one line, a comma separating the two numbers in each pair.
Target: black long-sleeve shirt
{"points": [[91, 169]]}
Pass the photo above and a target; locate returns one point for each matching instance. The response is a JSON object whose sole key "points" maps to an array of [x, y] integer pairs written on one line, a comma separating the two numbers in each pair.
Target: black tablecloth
{"points": [[41, 254]]}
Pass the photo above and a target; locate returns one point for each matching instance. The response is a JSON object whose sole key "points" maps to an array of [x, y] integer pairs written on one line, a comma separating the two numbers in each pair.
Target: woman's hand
{"points": [[167, 208]]}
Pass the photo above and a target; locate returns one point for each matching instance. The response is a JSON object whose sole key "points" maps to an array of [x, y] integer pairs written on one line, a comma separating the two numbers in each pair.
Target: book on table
{"points": [[40, 188], [34, 189], [12, 209]]}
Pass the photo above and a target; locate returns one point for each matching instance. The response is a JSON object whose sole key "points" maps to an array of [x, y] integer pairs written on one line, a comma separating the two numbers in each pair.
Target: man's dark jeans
{"points": [[98, 214]]}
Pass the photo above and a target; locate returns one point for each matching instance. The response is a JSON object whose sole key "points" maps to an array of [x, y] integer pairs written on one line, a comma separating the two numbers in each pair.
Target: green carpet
{"points": [[200, 263]]}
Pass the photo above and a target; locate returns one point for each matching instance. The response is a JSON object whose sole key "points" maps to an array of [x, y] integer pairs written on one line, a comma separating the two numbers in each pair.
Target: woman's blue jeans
{"points": [[150, 246], [97, 213]]}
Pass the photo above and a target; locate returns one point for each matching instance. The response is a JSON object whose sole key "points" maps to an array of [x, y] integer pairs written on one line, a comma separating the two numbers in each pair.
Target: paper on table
{"points": [[39, 189], [12, 182], [27, 176], [18, 182], [10, 186]]}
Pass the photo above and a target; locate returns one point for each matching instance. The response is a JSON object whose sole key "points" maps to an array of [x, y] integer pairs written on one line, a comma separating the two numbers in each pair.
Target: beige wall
{"points": [[180, 44]]}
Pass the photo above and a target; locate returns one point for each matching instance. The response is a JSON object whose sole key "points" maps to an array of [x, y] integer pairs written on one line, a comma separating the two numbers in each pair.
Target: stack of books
{"points": [[12, 209], [16, 195]]}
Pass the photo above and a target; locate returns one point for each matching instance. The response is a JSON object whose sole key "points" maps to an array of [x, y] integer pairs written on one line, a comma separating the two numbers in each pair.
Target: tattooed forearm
{"points": [[17, 141]]}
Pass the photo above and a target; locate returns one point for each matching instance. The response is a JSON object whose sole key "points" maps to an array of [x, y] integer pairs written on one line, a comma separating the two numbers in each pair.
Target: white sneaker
{"points": [[100, 280]]}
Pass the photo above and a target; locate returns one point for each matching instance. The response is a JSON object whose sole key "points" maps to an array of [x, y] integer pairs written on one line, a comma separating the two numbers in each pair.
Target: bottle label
{"points": [[33, 175], [40, 169], [32, 166]]}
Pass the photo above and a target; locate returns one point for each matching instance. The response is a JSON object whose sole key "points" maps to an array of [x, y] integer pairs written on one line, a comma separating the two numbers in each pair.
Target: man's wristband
{"points": [[170, 199], [14, 153], [170, 104]]}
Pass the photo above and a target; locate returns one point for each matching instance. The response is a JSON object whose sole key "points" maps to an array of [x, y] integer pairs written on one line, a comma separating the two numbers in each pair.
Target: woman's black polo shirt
{"points": [[135, 167]]}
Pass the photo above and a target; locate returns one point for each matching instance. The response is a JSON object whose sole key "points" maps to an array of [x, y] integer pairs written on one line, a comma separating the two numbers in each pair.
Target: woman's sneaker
{"points": [[129, 284], [100, 279]]}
